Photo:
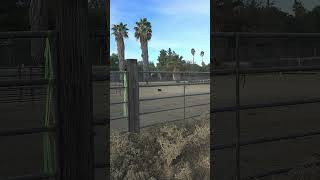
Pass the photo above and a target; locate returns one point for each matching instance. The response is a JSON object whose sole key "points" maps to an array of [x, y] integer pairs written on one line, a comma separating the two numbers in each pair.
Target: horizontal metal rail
{"points": [[176, 84], [172, 109], [266, 140], [171, 121], [169, 72], [24, 100], [264, 35], [265, 70], [117, 87], [101, 165], [40, 34], [164, 85], [168, 97], [101, 121], [266, 174], [269, 105], [33, 177], [116, 118], [279, 171], [11, 83], [24, 131], [117, 103], [26, 67], [26, 34]]}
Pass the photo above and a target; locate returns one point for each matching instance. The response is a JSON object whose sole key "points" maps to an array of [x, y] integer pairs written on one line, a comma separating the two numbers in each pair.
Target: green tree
{"points": [[151, 66], [143, 32], [120, 31], [189, 66], [169, 60], [114, 62], [298, 8]]}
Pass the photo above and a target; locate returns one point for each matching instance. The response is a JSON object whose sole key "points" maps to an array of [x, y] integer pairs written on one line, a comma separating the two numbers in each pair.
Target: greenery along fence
{"points": [[237, 108], [133, 83], [49, 128]]}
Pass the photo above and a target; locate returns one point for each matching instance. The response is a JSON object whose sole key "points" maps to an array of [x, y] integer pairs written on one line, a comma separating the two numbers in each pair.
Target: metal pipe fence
{"points": [[185, 79], [24, 79], [237, 71]]}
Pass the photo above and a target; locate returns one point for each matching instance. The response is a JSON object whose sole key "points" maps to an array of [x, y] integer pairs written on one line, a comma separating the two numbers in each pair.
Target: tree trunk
{"points": [[74, 90], [121, 49], [145, 58], [38, 19]]}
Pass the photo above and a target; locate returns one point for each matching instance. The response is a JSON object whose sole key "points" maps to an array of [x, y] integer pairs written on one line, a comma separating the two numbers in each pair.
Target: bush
{"points": [[171, 151]]}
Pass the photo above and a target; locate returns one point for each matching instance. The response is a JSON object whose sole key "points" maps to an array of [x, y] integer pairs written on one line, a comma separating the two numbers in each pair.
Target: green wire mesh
{"points": [[125, 94], [49, 146]]}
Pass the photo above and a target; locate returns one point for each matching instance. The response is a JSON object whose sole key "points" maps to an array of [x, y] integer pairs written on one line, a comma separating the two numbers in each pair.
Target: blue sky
{"points": [[176, 24]]}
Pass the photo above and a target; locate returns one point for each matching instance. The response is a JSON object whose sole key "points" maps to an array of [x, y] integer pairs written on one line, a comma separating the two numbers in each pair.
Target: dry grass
{"points": [[172, 151]]}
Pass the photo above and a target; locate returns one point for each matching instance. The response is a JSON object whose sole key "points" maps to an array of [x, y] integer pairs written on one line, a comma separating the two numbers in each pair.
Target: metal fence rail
{"points": [[235, 36]]}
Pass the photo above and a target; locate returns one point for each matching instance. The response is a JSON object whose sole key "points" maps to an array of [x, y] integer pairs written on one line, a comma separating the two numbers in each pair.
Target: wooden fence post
{"points": [[74, 91], [133, 95]]}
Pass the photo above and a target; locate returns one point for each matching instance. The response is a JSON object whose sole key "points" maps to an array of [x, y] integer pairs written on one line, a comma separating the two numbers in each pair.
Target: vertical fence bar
{"points": [[31, 89], [236, 56], [19, 75], [184, 98], [133, 96], [125, 93]]}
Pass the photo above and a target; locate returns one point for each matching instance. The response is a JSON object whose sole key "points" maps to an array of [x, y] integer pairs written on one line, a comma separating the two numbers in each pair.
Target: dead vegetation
{"points": [[171, 151]]}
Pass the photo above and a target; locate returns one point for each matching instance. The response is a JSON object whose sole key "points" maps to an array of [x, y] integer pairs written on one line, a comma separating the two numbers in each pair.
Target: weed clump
{"points": [[171, 151]]}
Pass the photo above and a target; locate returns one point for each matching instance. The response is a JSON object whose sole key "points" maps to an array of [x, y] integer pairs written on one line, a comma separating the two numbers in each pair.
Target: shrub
{"points": [[171, 151]]}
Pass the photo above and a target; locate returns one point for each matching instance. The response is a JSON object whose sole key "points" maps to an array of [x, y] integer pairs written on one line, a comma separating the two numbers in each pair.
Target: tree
{"points": [[38, 19], [120, 31], [298, 8], [143, 32], [169, 60], [151, 66], [202, 54], [193, 52], [96, 3], [114, 62]]}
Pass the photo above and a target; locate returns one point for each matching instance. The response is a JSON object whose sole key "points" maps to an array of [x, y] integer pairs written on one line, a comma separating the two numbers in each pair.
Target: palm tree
{"points": [[143, 32], [202, 54], [193, 52], [120, 31]]}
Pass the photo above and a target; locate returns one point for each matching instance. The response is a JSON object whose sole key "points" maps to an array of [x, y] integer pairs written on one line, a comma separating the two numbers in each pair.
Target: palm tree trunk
{"points": [[38, 19], [120, 48], [144, 48]]}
